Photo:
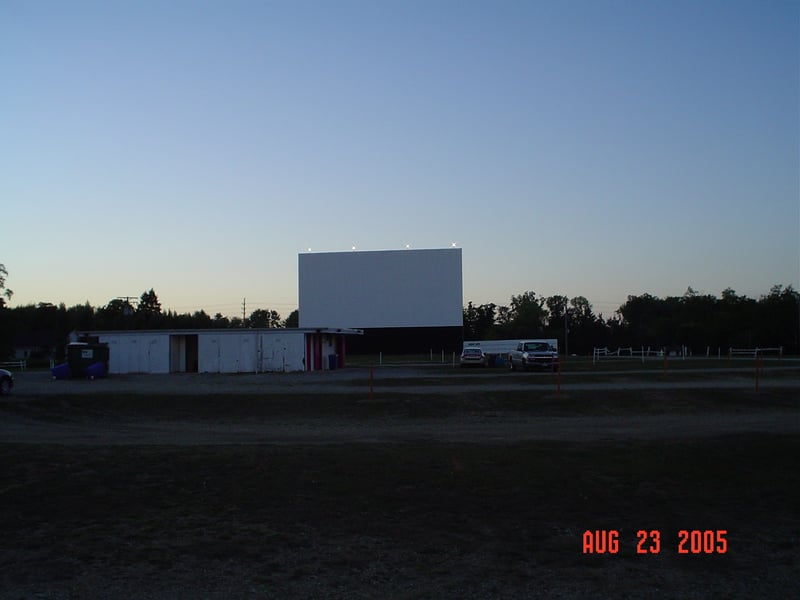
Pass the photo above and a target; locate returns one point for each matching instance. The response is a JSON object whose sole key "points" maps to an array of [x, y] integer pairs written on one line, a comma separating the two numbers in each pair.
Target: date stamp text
{"points": [[651, 541]]}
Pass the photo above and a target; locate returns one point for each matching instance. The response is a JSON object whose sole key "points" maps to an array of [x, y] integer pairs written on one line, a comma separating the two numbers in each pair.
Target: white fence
{"points": [[755, 352], [625, 353], [14, 364], [682, 352]]}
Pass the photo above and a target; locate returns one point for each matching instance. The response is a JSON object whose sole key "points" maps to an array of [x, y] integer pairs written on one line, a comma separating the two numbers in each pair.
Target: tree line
{"points": [[45, 327], [696, 321]]}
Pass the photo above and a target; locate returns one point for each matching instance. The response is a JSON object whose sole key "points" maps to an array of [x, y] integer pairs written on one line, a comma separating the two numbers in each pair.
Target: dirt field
{"points": [[441, 484]]}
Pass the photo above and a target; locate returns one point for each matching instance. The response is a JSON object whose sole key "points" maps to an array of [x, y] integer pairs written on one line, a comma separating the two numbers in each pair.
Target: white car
{"points": [[473, 357], [6, 382]]}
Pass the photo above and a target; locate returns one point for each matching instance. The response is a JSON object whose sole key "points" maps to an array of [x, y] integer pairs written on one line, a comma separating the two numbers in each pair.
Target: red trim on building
{"points": [[340, 350], [318, 352]]}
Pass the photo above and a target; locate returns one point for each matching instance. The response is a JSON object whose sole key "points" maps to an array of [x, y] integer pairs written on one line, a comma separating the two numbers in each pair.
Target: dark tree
{"points": [[528, 315], [6, 319], [201, 319], [735, 316], [293, 320], [582, 327], [81, 317], [503, 318], [556, 308], [643, 320], [264, 318], [779, 318], [117, 314], [479, 321], [220, 322], [4, 291], [148, 312]]}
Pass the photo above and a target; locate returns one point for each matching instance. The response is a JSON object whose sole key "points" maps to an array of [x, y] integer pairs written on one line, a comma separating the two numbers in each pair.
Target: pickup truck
{"points": [[533, 354]]}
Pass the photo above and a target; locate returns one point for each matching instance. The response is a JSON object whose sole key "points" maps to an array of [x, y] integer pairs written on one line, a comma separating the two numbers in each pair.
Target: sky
{"points": [[593, 148]]}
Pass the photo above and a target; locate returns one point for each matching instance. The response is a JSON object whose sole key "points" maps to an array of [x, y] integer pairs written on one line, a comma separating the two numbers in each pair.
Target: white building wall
{"points": [[237, 353], [137, 353], [209, 348], [226, 352], [245, 351], [158, 355], [282, 352]]}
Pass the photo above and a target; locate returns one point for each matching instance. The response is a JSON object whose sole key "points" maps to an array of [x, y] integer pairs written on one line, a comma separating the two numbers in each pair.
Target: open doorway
{"points": [[183, 353]]}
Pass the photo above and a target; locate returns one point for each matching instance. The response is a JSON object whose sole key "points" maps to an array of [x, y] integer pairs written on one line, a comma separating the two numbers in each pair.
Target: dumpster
{"points": [[81, 356]]}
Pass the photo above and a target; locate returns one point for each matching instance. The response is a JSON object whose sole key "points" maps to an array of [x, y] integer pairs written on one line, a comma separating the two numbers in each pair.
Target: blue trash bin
{"points": [[61, 371], [96, 370]]}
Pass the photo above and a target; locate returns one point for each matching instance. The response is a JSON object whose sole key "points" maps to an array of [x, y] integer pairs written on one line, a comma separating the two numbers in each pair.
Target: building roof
{"points": [[224, 331]]}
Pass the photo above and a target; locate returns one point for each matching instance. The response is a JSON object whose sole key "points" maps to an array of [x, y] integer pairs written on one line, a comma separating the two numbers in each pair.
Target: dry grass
{"points": [[410, 520], [453, 518], [392, 400]]}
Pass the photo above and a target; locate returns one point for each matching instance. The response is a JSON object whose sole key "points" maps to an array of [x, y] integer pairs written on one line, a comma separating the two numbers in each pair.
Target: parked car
{"points": [[6, 382], [533, 354], [473, 357]]}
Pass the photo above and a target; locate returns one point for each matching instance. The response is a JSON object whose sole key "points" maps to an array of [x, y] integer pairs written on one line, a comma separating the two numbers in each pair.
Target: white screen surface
{"points": [[392, 288]]}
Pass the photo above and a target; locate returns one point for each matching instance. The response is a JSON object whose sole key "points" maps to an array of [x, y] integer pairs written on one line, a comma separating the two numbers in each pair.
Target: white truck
{"points": [[533, 354]]}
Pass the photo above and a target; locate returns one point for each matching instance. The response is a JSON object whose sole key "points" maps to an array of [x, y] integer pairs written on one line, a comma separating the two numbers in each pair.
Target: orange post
{"points": [[558, 379]]}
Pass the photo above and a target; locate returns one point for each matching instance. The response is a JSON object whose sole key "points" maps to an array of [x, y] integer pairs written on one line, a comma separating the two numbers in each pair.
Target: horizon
{"points": [[590, 149]]}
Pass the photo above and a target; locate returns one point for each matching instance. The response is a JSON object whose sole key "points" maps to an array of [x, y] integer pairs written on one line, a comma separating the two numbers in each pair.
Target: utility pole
{"points": [[127, 308], [244, 309]]}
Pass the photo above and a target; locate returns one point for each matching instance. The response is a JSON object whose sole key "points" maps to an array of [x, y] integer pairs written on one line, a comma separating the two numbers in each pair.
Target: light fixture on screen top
{"points": [[408, 246], [353, 248], [453, 245]]}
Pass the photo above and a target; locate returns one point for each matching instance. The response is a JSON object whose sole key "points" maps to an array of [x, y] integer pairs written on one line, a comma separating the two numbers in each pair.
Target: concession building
{"points": [[223, 350]]}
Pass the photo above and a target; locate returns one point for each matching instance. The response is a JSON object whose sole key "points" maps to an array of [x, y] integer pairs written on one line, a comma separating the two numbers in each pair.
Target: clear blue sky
{"points": [[579, 148]]}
